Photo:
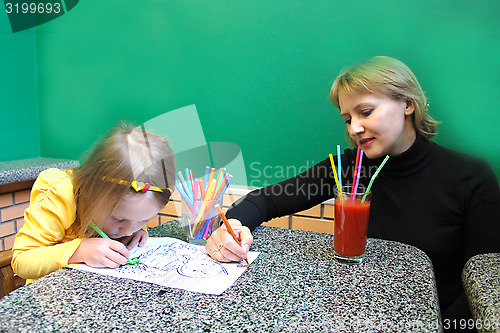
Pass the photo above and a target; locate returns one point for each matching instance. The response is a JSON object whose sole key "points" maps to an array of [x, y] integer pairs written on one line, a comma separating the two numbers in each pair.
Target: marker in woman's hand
{"points": [[228, 227]]}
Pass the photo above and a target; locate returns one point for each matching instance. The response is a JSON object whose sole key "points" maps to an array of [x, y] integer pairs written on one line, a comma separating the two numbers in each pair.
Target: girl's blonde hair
{"points": [[126, 153], [392, 78]]}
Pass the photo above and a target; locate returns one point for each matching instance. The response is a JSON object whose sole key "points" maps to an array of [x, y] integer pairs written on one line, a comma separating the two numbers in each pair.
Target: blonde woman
{"points": [[123, 183], [443, 202]]}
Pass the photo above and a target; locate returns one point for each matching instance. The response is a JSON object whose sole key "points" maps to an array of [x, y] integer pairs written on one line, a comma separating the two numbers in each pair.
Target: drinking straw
{"points": [[223, 175], [210, 177], [204, 231], [216, 182], [374, 176], [180, 178], [196, 189], [202, 188], [224, 186], [355, 170], [188, 181], [201, 202], [219, 196], [339, 163], [199, 229], [184, 184], [216, 196], [218, 176], [220, 193], [336, 178], [355, 189], [205, 177], [205, 200], [191, 178], [178, 186], [228, 227]]}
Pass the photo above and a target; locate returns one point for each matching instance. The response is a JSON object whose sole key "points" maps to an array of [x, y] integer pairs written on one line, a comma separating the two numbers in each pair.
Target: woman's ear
{"points": [[409, 108]]}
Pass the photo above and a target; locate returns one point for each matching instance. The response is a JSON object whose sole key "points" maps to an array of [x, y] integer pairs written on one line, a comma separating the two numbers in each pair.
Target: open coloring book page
{"points": [[173, 263]]}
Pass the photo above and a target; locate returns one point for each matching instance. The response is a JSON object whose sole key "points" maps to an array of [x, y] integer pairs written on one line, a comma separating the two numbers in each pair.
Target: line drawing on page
{"points": [[173, 263], [180, 258]]}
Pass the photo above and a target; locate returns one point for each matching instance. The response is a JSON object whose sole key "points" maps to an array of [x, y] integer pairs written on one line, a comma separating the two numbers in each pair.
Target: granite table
{"points": [[295, 285], [481, 280]]}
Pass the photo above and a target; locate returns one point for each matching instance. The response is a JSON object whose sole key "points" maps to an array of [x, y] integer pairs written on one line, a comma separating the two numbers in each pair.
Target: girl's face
{"points": [[380, 125], [130, 215]]}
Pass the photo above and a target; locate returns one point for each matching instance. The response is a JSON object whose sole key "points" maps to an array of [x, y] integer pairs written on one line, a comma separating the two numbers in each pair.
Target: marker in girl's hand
{"points": [[131, 262], [230, 230]]}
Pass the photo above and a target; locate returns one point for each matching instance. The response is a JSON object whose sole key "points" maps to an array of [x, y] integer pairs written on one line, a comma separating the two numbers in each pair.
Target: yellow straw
{"points": [[216, 183], [205, 200], [336, 178]]}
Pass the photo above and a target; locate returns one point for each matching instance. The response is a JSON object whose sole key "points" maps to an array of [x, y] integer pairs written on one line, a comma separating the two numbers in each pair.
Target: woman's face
{"points": [[380, 125], [130, 215]]}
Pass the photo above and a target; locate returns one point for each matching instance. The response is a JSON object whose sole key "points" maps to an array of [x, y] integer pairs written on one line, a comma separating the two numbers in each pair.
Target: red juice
{"points": [[351, 226]]}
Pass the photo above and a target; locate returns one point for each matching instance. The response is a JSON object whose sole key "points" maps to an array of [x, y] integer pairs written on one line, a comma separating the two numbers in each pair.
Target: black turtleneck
{"points": [[443, 202]]}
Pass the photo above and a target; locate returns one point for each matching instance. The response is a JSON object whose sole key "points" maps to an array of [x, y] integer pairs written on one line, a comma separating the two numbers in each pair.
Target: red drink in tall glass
{"points": [[351, 226]]}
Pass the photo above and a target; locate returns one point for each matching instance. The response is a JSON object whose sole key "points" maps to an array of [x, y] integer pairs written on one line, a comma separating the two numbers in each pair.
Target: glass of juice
{"points": [[351, 224]]}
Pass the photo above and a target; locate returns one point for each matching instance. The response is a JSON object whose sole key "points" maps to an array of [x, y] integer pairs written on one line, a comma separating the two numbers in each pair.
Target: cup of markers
{"points": [[198, 199], [198, 228]]}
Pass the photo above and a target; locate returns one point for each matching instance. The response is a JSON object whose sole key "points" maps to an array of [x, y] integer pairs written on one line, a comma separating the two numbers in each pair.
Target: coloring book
{"points": [[173, 263]]}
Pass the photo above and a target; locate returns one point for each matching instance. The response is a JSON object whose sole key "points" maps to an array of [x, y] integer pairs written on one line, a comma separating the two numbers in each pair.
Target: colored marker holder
{"points": [[198, 199], [198, 230]]}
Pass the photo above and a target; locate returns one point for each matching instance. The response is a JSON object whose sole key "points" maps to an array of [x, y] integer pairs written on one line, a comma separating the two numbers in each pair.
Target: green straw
{"points": [[373, 177]]}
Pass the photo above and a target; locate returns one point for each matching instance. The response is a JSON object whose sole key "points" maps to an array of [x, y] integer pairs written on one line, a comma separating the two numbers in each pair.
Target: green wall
{"points": [[19, 134], [260, 71]]}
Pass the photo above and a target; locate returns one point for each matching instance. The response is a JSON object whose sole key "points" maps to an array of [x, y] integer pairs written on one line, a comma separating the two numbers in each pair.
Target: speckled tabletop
{"points": [[22, 170], [295, 285], [481, 280]]}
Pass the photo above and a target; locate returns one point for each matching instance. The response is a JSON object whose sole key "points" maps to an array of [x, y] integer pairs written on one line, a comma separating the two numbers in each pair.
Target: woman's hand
{"points": [[229, 250], [139, 237], [100, 252]]}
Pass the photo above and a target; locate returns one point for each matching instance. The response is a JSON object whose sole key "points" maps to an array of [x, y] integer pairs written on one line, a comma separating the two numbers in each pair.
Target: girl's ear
{"points": [[409, 108]]}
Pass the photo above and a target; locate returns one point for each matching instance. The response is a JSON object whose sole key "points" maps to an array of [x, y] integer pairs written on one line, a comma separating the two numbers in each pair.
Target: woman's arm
{"points": [[296, 194]]}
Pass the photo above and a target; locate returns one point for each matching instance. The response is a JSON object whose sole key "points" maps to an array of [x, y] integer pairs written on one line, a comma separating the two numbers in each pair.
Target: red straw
{"points": [[355, 170], [357, 176]]}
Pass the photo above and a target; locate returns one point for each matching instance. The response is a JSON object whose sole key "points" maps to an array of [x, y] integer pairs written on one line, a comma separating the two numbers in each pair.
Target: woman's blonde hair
{"points": [[126, 153], [392, 78]]}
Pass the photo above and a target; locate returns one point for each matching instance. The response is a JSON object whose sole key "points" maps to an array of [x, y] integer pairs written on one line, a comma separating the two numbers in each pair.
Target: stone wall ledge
{"points": [[29, 169]]}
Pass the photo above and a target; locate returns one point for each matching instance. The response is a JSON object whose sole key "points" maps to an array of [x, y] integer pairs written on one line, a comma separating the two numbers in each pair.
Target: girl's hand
{"points": [[100, 252], [230, 250], [139, 237]]}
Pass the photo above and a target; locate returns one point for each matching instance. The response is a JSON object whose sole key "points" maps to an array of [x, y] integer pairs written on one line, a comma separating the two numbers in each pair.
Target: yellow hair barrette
{"points": [[143, 187], [138, 186]]}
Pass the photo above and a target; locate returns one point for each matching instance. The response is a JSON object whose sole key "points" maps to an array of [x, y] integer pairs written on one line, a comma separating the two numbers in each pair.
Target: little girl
{"points": [[122, 184]]}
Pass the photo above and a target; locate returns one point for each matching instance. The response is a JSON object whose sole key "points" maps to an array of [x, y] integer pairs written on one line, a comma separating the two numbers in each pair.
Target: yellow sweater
{"points": [[47, 240]]}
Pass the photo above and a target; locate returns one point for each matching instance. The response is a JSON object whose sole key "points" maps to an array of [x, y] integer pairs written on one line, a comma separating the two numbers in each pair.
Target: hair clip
{"points": [[143, 187], [138, 186]]}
